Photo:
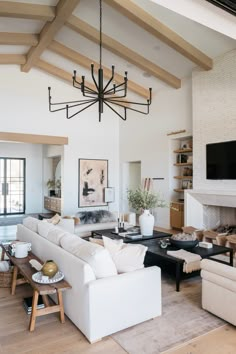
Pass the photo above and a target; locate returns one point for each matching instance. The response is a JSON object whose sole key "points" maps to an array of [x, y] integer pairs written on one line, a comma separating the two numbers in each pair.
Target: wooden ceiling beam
{"points": [[34, 139], [59, 73], [27, 11], [64, 10], [143, 19], [10, 38], [119, 49], [12, 59], [84, 61]]}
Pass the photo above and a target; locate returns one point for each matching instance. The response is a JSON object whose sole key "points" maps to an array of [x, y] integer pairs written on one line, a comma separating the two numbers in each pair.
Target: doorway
{"points": [[131, 179], [12, 186]]}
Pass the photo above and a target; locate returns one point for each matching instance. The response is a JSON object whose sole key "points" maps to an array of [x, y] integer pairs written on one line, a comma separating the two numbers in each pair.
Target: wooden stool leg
{"points": [[14, 278], [60, 303], [34, 311], [45, 300]]}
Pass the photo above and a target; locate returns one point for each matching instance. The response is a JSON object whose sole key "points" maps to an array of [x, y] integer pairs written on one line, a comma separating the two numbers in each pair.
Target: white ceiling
{"points": [[117, 26]]}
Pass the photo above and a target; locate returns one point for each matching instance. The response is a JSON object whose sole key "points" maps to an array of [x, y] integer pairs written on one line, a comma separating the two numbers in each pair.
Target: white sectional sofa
{"points": [[98, 306]]}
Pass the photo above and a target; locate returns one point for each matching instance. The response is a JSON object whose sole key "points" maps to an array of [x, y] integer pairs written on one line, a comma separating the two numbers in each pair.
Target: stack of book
{"points": [[27, 302]]}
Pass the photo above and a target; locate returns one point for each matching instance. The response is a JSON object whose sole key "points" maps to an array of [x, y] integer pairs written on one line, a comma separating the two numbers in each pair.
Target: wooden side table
{"points": [[23, 267]]}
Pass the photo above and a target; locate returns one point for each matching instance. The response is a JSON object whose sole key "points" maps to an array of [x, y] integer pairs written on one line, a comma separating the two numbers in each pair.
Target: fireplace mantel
{"points": [[196, 200]]}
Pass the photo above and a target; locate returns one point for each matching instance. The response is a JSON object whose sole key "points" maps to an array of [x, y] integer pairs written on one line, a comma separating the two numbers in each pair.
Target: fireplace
{"points": [[206, 209]]}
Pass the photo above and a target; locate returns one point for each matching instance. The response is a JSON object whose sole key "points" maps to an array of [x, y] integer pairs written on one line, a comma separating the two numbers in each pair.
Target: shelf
{"points": [[178, 190], [183, 177], [182, 151], [183, 164]]}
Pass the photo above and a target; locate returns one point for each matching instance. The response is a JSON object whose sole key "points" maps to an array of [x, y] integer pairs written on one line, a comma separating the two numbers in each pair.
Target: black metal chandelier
{"points": [[110, 94]]}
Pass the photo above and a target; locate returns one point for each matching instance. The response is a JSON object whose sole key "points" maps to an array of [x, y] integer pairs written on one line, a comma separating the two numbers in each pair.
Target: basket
{"points": [[6, 279]]}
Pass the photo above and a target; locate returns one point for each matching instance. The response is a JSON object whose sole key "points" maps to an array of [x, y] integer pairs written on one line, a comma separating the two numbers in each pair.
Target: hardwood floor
{"points": [[50, 336]]}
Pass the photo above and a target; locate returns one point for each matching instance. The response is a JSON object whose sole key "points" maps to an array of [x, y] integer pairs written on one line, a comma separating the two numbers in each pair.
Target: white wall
{"points": [[144, 138], [33, 155], [214, 120], [24, 109]]}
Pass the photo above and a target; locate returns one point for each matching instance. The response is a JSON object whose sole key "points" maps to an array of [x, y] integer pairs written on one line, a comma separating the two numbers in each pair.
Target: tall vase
{"points": [[146, 223]]}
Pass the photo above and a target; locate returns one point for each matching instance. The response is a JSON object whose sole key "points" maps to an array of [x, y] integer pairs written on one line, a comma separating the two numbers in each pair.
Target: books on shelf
{"points": [[27, 303]]}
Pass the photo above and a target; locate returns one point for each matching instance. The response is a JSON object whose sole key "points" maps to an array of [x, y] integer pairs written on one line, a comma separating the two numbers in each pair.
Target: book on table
{"points": [[27, 302]]}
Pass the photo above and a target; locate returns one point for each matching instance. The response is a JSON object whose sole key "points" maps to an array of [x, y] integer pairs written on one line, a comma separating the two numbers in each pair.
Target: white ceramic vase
{"points": [[146, 223]]}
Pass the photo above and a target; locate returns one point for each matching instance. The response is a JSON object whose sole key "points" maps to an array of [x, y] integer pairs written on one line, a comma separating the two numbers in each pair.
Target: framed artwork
{"points": [[93, 179]]}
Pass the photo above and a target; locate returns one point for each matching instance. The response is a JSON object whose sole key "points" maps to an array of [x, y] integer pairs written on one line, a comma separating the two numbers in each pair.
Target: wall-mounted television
{"points": [[221, 160]]}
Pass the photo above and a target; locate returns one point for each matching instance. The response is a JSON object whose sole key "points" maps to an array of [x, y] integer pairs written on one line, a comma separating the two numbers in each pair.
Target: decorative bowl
{"points": [[183, 244]]}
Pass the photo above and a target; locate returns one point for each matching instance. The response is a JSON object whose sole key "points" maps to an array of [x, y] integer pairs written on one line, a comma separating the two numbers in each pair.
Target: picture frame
{"points": [[109, 195], [93, 179]]}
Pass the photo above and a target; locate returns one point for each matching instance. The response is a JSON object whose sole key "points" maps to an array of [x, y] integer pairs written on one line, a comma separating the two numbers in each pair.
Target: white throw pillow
{"points": [[127, 257], [44, 228], [31, 223], [96, 256], [55, 234]]}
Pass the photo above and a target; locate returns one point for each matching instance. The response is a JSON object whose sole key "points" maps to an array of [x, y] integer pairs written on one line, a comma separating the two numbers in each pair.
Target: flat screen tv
{"points": [[221, 160]]}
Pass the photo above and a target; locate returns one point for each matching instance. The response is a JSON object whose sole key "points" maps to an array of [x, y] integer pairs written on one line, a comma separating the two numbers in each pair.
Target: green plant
{"points": [[143, 199], [51, 183], [58, 183]]}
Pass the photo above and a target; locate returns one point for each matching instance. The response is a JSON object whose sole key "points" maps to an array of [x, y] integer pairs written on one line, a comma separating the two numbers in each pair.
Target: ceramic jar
{"points": [[146, 223], [49, 268]]}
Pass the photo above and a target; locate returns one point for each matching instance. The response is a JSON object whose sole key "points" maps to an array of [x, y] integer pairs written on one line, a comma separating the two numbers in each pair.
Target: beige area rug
{"points": [[182, 320]]}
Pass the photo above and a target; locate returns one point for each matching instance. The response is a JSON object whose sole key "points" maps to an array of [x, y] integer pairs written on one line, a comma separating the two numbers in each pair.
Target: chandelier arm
{"points": [[115, 87], [85, 88], [132, 109], [81, 110], [81, 103], [93, 77], [112, 77], [130, 102], [124, 118]]}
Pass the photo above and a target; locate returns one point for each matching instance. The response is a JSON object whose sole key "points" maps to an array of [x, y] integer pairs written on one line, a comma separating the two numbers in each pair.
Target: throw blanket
{"points": [[191, 260]]}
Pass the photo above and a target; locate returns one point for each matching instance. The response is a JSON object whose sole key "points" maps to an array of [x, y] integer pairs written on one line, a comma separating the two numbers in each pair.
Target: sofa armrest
{"points": [[219, 269], [130, 298]]}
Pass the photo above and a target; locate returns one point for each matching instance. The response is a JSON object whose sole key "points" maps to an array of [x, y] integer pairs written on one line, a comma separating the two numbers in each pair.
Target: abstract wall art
{"points": [[93, 179]]}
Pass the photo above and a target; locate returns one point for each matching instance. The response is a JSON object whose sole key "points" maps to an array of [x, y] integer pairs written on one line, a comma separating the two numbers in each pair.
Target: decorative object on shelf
{"points": [[144, 200], [49, 268], [42, 279], [93, 178], [108, 93]]}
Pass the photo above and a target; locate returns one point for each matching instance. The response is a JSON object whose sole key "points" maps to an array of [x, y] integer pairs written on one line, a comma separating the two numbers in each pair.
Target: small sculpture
{"points": [[49, 268]]}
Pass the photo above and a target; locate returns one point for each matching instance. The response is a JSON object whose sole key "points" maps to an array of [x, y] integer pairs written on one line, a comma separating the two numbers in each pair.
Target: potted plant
{"points": [[51, 186], [143, 200]]}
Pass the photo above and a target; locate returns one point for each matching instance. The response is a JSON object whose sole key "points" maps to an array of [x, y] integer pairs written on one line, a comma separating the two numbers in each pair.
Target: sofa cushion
{"points": [[95, 216], [55, 234], [127, 257], [44, 227], [96, 256], [31, 223]]}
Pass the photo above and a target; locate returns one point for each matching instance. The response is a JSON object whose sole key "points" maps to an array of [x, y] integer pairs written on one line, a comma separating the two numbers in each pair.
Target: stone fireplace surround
{"points": [[207, 209]]}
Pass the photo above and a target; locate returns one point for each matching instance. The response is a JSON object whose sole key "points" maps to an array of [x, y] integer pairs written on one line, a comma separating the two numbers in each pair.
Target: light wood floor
{"points": [[50, 336]]}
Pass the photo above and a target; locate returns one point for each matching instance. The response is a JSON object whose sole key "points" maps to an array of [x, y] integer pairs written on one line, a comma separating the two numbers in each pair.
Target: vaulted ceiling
{"points": [[155, 45]]}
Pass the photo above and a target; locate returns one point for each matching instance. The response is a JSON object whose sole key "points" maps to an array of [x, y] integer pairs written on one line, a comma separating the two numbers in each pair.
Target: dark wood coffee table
{"points": [[158, 256], [23, 267]]}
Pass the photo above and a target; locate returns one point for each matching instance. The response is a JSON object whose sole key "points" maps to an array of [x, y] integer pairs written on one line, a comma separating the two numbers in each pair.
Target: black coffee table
{"points": [[158, 256]]}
